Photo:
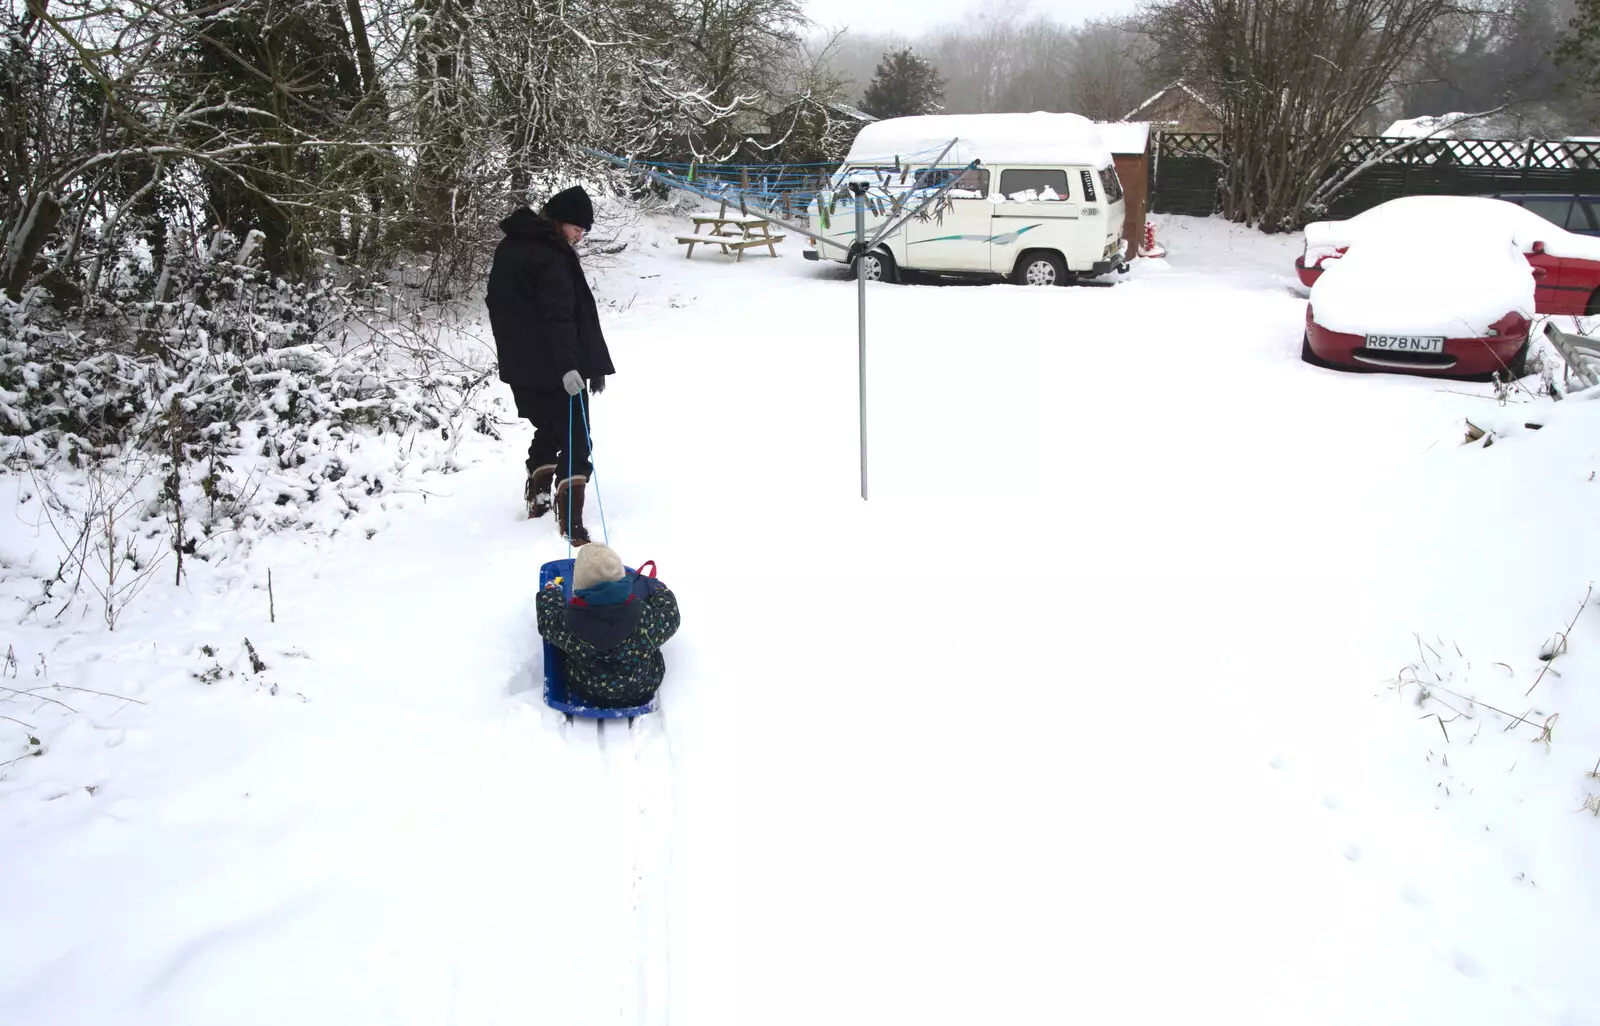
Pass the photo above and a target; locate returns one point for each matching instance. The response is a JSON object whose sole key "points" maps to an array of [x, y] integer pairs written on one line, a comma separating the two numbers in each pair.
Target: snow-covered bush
{"points": [[210, 398], [234, 343]]}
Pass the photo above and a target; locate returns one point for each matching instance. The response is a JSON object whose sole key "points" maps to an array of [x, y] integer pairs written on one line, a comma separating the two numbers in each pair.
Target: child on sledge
{"points": [[611, 632]]}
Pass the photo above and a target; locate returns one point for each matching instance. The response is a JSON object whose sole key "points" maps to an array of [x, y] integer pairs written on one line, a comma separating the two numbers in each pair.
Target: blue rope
{"points": [[584, 409], [886, 159], [712, 188]]}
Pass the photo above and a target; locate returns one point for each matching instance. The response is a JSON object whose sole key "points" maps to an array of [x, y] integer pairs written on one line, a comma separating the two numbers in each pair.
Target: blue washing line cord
{"points": [[605, 533], [583, 408], [711, 186], [906, 158]]}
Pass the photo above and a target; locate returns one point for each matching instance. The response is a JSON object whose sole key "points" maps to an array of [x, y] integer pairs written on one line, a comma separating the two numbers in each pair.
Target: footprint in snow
{"points": [[1352, 852], [1466, 965], [1277, 762], [1413, 897], [1330, 802]]}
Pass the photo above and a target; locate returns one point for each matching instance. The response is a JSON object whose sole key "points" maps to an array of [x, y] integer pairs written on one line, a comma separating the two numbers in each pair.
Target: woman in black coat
{"points": [[547, 333]]}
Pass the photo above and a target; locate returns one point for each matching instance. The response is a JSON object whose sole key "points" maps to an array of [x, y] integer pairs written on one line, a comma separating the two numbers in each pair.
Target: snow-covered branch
{"points": [[1333, 186]]}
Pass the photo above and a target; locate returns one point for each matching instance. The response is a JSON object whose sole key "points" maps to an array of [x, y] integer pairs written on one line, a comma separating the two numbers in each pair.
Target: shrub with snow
{"points": [[206, 404]]}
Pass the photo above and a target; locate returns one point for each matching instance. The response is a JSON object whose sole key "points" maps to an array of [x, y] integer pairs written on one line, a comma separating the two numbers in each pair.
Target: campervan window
{"points": [[973, 182], [1034, 184], [877, 175]]}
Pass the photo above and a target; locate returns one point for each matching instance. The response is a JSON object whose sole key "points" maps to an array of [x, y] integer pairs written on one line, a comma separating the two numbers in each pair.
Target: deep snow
{"points": [[1086, 716], [1379, 286]]}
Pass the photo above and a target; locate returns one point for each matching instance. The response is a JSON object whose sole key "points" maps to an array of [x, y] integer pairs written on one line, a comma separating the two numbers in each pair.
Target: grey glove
{"points": [[572, 381]]}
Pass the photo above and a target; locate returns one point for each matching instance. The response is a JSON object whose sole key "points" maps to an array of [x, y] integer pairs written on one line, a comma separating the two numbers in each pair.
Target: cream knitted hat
{"points": [[596, 564]]}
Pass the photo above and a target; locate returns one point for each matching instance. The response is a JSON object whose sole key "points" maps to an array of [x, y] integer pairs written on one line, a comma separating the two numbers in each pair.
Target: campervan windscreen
{"points": [[1111, 184]]}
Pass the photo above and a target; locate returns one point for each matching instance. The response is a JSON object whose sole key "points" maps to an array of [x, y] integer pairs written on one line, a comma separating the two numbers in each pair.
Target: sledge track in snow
{"points": [[623, 944]]}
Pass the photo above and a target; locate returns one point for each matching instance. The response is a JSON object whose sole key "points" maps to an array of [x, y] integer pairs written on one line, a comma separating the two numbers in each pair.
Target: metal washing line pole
{"points": [[860, 190]]}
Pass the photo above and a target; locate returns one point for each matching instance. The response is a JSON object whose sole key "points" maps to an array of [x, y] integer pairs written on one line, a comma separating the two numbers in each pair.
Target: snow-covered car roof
{"points": [[1456, 284], [1420, 218], [1037, 138]]}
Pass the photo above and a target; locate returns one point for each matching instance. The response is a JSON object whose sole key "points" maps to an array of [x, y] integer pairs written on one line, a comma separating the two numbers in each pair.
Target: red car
{"points": [[1463, 310], [1566, 265], [1505, 351]]}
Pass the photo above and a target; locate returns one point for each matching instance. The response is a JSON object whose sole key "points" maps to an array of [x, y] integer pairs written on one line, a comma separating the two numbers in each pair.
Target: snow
{"points": [[1085, 716], [1037, 138], [1418, 221], [1124, 137], [1438, 126], [1466, 283]]}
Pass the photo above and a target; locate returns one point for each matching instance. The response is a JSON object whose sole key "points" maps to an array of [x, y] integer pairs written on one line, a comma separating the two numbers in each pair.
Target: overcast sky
{"points": [[908, 17]]}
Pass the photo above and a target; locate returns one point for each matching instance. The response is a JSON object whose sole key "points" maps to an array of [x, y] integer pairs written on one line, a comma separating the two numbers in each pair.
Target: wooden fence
{"points": [[1186, 167]]}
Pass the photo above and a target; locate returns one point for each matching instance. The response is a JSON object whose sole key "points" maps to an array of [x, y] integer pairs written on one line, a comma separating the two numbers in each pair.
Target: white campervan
{"points": [[1042, 205]]}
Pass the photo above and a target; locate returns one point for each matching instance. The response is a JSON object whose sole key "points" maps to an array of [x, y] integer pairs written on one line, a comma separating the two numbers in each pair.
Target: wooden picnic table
{"points": [[731, 233]]}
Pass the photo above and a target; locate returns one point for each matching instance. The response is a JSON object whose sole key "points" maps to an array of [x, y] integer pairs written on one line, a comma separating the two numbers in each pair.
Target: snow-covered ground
{"points": [[1089, 715]]}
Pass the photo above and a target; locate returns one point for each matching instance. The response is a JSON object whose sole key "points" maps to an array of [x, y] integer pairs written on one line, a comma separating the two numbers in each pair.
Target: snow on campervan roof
{"points": [[1037, 138]]}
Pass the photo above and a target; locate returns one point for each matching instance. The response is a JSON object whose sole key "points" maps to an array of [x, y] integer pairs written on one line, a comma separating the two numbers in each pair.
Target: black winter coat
{"points": [[544, 317]]}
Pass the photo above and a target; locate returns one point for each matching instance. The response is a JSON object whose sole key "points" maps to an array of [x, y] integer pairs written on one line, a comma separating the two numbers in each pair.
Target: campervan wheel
{"points": [[1039, 268], [878, 265]]}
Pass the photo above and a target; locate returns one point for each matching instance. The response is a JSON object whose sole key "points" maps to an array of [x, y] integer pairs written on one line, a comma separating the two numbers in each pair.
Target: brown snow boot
{"points": [[569, 493], [536, 493]]}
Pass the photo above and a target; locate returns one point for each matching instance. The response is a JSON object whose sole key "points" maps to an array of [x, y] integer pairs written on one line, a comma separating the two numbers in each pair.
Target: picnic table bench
{"points": [[731, 233]]}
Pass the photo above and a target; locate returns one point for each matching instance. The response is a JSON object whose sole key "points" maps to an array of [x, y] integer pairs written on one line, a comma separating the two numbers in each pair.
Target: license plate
{"points": [[1407, 343]]}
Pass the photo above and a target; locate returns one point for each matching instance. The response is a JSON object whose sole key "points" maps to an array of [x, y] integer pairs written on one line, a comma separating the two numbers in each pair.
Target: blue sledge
{"points": [[555, 676]]}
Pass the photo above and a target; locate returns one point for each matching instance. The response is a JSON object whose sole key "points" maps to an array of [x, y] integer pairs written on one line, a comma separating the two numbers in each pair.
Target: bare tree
{"points": [[976, 57], [1499, 55], [736, 47], [1106, 72], [1044, 55], [1293, 78], [1096, 69], [993, 60], [810, 129], [852, 57]]}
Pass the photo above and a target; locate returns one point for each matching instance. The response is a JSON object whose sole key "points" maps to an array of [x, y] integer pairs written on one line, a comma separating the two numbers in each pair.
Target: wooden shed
{"points": [[1178, 108], [1129, 143]]}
